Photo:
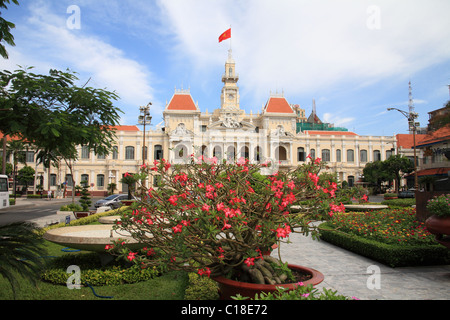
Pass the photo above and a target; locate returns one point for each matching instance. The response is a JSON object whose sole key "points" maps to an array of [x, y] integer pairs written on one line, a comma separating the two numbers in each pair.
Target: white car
{"points": [[113, 201]]}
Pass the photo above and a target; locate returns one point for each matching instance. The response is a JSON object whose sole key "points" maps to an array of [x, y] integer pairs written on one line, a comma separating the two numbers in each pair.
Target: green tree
{"points": [[85, 199], [56, 115], [397, 166], [376, 173], [5, 30], [26, 176]]}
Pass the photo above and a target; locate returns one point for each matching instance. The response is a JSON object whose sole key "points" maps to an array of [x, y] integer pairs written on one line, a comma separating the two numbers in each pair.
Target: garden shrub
{"points": [[93, 272], [399, 202], [393, 255], [71, 207], [201, 288], [301, 292]]}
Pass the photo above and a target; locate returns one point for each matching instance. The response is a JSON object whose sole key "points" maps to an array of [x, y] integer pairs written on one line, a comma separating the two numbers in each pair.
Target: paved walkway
{"points": [[356, 276]]}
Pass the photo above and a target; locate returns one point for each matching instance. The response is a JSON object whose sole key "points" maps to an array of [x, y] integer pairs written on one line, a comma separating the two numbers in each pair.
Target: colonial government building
{"points": [[280, 132]]}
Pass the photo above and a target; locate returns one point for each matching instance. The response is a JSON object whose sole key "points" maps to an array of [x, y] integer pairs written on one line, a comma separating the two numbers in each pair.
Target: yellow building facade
{"points": [[226, 133]]}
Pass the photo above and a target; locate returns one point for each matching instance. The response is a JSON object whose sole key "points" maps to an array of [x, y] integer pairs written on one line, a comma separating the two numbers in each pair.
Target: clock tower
{"points": [[230, 90]]}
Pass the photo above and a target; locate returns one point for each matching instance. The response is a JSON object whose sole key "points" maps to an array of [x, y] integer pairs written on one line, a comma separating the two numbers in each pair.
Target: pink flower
{"points": [[131, 256], [173, 200], [291, 185], [250, 262], [205, 207], [226, 226], [177, 228], [283, 232], [220, 206], [205, 271]]}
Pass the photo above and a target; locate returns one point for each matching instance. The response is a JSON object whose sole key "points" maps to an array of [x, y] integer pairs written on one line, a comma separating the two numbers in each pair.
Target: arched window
{"points": [[363, 155], [129, 153], [351, 181], [181, 151], [280, 153], [245, 152], [376, 155], [301, 154], [115, 154], [84, 180], [158, 152], [231, 154], [338, 155], [85, 152], [100, 180], [350, 155], [217, 152], [326, 155], [258, 154], [312, 153]]}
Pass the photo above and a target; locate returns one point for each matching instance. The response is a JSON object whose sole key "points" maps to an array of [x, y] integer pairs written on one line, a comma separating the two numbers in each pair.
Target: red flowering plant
{"points": [[221, 219]]}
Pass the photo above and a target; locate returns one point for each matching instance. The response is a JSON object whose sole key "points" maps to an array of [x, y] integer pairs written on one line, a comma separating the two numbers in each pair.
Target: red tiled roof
{"points": [[407, 140], [331, 133], [125, 128], [278, 105], [432, 172], [182, 101], [439, 135]]}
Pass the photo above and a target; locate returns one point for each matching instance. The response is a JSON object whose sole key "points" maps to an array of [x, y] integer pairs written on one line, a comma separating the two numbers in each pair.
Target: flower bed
{"points": [[393, 237]]}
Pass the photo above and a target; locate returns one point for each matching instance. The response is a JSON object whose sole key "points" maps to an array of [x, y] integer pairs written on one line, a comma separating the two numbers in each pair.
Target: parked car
{"points": [[406, 194], [112, 201]]}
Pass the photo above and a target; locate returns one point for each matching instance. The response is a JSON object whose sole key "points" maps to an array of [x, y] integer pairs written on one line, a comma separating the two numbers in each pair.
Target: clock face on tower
{"points": [[230, 96]]}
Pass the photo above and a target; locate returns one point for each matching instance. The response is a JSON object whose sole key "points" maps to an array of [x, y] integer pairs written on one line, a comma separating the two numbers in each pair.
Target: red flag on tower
{"points": [[226, 35]]}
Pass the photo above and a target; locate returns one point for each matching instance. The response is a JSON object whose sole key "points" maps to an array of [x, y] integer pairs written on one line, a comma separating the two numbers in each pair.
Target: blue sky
{"points": [[354, 57]]}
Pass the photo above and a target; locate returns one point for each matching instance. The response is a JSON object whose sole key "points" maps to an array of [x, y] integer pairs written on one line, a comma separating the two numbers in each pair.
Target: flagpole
{"points": [[230, 37]]}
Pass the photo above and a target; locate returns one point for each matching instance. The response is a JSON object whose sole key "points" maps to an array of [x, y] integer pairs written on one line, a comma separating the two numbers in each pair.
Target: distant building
{"points": [[280, 133]]}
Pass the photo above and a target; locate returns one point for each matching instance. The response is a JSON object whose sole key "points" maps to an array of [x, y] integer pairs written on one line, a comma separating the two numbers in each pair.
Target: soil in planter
{"points": [[300, 276]]}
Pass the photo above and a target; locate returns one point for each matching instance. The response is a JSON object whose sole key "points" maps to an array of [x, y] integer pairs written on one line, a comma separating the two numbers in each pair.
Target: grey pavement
{"points": [[356, 276], [43, 217]]}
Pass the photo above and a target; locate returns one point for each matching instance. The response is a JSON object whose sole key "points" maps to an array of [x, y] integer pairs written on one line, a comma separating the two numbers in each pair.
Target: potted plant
{"points": [[439, 221], [85, 202], [218, 220], [130, 180], [78, 190]]}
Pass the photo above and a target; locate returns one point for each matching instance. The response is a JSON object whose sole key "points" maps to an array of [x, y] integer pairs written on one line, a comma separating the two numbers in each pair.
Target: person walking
{"points": [[49, 193]]}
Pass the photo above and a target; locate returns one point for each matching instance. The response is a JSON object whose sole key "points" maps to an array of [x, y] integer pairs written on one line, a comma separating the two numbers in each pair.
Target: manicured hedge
{"points": [[93, 273], [409, 202], [389, 254]]}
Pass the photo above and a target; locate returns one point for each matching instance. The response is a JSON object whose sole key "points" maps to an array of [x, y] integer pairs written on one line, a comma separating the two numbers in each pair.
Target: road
{"points": [[40, 210]]}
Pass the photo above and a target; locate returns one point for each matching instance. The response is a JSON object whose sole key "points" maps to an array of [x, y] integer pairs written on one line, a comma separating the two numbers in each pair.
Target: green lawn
{"points": [[169, 286]]}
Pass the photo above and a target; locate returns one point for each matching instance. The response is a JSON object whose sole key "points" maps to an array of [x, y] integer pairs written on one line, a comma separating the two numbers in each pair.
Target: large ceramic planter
{"points": [[229, 288], [440, 227]]}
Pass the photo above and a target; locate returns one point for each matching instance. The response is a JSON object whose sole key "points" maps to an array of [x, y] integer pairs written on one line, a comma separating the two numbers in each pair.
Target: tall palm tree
{"points": [[21, 251]]}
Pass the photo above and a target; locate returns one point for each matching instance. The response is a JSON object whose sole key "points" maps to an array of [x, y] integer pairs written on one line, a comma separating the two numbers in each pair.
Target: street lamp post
{"points": [[411, 116], [144, 119]]}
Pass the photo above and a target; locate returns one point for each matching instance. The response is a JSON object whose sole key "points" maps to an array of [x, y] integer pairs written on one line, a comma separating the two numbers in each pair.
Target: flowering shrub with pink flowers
{"points": [[215, 218]]}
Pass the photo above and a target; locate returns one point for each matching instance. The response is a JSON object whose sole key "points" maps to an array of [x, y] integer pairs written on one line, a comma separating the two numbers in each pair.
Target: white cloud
{"points": [[337, 120], [306, 46], [46, 42]]}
